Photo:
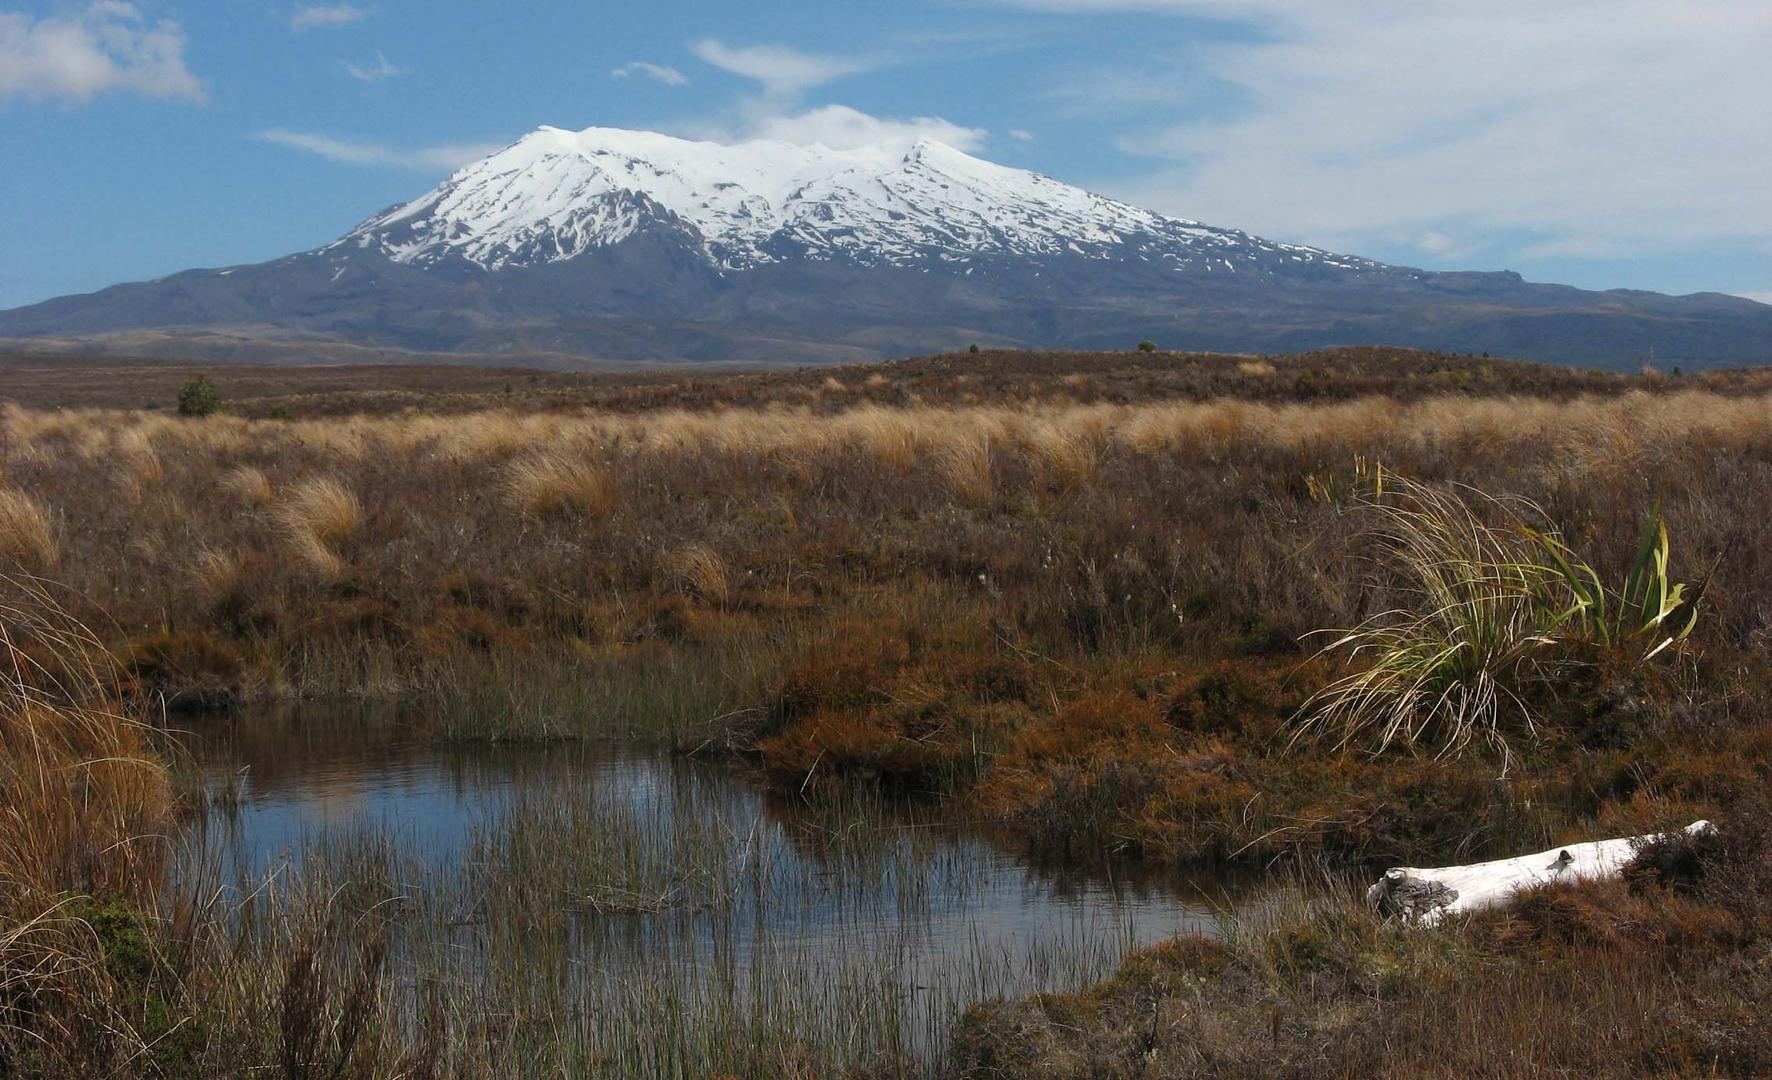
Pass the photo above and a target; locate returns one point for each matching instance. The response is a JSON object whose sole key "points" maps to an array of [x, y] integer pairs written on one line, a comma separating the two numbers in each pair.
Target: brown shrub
{"points": [[187, 669], [1233, 698], [851, 667]]}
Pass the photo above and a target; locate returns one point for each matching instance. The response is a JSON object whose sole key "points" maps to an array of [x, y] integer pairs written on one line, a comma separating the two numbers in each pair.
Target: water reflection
{"points": [[616, 877]]}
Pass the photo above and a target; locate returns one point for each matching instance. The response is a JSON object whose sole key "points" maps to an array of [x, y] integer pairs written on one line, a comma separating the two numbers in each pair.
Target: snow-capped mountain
{"points": [[555, 194], [634, 245]]}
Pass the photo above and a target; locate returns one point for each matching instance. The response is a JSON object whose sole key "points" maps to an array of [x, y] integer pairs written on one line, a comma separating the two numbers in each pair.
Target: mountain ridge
{"points": [[636, 245]]}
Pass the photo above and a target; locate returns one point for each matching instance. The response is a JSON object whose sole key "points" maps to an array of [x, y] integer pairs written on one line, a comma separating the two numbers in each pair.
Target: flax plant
{"points": [[1487, 608]]}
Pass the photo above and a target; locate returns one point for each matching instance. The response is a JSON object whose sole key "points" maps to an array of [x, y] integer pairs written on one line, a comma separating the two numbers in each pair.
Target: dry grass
{"points": [[249, 486], [87, 808], [315, 517], [1064, 603], [966, 468], [552, 483], [27, 533], [700, 571]]}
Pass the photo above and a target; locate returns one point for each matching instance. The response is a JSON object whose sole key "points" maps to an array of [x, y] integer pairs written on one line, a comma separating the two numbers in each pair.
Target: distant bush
{"points": [[1147, 346], [972, 348], [198, 397]]}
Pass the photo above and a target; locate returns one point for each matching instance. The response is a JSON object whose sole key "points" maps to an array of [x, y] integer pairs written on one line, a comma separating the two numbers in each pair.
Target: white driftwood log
{"points": [[1427, 896]]}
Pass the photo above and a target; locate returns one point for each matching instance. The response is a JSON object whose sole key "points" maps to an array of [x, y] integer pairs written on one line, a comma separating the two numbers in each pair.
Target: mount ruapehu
{"points": [[633, 245]]}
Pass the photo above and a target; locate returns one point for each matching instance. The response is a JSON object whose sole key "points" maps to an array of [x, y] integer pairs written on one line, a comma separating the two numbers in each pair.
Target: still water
{"points": [[622, 886]]}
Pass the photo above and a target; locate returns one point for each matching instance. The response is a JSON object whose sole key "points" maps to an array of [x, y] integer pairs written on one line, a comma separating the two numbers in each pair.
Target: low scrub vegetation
{"points": [[1081, 602]]}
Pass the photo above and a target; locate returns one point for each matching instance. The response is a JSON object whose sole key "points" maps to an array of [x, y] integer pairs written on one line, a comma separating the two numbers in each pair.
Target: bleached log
{"points": [[1426, 896]]}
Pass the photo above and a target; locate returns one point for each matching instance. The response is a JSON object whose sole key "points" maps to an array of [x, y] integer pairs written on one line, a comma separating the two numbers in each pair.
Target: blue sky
{"points": [[1597, 142]]}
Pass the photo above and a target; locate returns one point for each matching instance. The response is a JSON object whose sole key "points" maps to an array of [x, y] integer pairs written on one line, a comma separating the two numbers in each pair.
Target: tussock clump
{"points": [[966, 468], [135, 452], [86, 801], [322, 507], [888, 435], [551, 483], [1486, 609], [1066, 452], [316, 516], [27, 535], [700, 571], [215, 574], [251, 487]]}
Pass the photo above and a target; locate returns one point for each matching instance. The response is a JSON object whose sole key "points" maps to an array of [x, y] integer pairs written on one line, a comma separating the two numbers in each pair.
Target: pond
{"points": [[649, 912]]}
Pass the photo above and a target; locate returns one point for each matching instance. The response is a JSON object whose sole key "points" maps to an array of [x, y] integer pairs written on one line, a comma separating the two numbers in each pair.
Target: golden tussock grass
{"points": [[27, 533], [700, 571], [88, 805], [215, 573], [553, 482], [322, 507], [315, 516], [250, 487], [901, 436], [966, 468]]}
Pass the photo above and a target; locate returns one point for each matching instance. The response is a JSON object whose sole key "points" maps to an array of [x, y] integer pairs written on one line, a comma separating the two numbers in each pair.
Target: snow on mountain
{"points": [[556, 194]]}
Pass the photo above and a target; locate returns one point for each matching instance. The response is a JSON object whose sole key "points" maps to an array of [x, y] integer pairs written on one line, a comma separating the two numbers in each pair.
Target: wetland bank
{"points": [[867, 662]]}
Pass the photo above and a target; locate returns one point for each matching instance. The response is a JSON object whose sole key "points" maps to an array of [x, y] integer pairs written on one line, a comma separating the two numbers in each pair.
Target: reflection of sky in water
{"points": [[973, 916]]}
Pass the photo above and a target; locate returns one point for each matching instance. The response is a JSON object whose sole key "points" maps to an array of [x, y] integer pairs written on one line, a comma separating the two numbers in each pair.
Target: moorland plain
{"points": [[1074, 595]]}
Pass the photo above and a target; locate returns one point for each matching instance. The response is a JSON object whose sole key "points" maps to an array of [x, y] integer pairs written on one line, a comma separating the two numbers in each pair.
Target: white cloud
{"points": [[1759, 297], [376, 72], [785, 74], [783, 71], [1434, 242], [1021, 135], [1598, 126], [309, 16], [841, 127], [348, 152], [107, 46], [659, 73]]}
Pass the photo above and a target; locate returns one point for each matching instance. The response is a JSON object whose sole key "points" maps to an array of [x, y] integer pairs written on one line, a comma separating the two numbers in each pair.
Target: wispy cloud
{"points": [[1021, 135], [784, 76], [784, 72], [376, 72], [108, 46], [659, 73], [379, 155], [1627, 126], [309, 16], [841, 127]]}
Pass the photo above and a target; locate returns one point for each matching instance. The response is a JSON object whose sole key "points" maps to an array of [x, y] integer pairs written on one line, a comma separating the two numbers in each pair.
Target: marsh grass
{"points": [[621, 924], [685, 697]]}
